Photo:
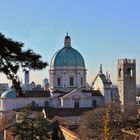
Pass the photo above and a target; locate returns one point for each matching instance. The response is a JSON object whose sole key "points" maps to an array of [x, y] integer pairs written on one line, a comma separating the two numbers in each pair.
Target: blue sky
{"points": [[101, 30]]}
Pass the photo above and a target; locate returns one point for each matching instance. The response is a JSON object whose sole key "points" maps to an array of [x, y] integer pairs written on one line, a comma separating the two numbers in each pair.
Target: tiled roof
{"points": [[62, 121], [94, 92], [37, 93], [103, 77], [58, 91], [61, 112]]}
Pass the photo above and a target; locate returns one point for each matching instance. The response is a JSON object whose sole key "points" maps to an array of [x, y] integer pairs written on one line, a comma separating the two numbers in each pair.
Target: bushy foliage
{"points": [[30, 128], [105, 123], [12, 57]]}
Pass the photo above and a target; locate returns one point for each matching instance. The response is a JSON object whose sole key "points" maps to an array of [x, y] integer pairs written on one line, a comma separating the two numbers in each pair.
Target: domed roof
{"points": [[67, 56], [9, 94]]}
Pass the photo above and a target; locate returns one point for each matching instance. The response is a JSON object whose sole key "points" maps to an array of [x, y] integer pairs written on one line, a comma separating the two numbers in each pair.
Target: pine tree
{"points": [[43, 129], [29, 128], [12, 57]]}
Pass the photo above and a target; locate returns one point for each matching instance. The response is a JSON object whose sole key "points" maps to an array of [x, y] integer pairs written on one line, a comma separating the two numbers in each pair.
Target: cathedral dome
{"points": [[67, 56], [9, 94]]}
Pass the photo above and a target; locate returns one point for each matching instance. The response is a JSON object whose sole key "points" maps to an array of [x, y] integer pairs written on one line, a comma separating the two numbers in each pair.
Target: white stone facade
{"points": [[78, 75], [103, 84], [15, 103], [67, 80], [80, 99]]}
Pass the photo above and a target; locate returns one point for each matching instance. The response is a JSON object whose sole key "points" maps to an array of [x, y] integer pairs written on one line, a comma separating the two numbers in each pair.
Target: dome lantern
{"points": [[67, 41]]}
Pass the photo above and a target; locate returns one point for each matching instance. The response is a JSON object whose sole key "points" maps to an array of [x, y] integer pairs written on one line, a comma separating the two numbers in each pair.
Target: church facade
{"points": [[67, 68], [67, 85]]}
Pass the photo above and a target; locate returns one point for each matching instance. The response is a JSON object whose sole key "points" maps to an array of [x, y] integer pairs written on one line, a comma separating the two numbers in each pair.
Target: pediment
{"points": [[77, 94]]}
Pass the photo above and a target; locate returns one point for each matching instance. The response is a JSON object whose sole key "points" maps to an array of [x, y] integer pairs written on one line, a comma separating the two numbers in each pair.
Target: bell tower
{"points": [[127, 82]]}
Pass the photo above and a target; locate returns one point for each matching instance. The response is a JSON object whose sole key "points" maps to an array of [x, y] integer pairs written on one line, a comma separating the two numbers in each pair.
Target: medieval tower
{"points": [[127, 82]]}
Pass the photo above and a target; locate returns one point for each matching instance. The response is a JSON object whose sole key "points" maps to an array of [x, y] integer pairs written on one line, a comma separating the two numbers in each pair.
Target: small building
{"points": [[10, 101], [103, 84]]}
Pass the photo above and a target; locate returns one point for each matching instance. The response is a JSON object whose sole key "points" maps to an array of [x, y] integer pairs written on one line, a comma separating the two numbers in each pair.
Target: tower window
{"points": [[71, 81], [129, 72], [58, 81], [120, 72]]}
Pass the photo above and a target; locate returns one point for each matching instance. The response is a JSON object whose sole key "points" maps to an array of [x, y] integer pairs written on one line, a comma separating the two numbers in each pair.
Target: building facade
{"points": [[67, 69], [67, 86]]}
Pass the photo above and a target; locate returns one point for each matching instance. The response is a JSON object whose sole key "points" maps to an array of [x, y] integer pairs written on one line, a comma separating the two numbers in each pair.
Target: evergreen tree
{"points": [[29, 128], [12, 57], [22, 128], [43, 129]]}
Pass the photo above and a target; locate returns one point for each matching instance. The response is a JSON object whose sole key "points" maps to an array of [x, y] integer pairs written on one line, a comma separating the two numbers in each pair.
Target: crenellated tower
{"points": [[127, 82]]}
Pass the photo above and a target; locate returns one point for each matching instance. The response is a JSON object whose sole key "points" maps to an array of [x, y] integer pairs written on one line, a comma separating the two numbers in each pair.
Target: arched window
{"points": [[129, 72], [120, 72], [58, 81]]}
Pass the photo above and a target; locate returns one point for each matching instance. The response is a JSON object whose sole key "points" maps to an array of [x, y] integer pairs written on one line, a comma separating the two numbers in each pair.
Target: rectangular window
{"points": [[58, 81], [94, 103], [76, 104], [71, 81], [81, 81], [46, 104]]}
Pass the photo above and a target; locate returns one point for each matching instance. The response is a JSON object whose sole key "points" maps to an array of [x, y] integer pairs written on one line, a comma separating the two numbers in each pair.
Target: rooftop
{"points": [[62, 112], [36, 93]]}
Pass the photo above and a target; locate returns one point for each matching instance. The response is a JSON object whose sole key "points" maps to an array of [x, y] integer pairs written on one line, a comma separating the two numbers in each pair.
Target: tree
{"points": [[91, 124], [104, 123], [43, 128], [30, 128], [106, 128], [22, 128], [12, 57]]}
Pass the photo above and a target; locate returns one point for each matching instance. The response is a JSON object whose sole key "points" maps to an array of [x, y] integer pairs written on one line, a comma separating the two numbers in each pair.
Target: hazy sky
{"points": [[101, 30]]}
